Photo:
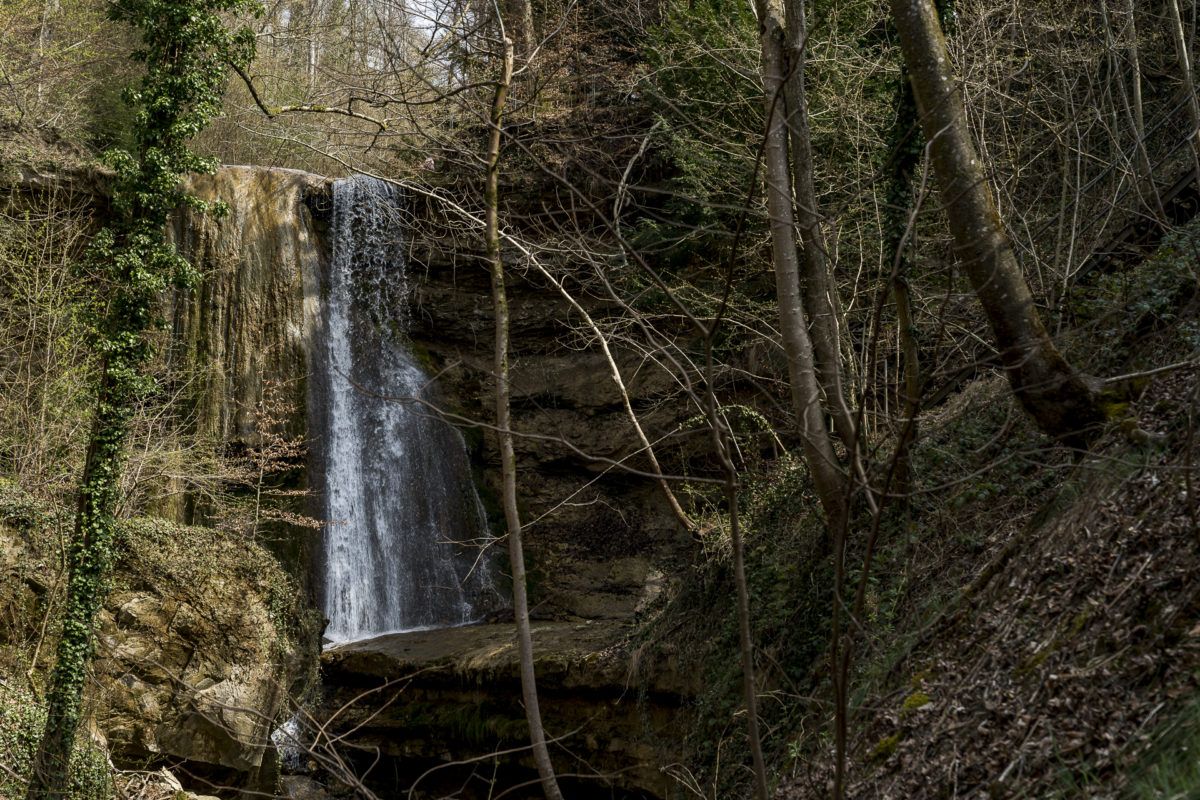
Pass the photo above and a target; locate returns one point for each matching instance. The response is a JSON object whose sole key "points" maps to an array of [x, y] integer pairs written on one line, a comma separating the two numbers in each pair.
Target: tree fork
{"points": [[819, 286], [798, 347]]}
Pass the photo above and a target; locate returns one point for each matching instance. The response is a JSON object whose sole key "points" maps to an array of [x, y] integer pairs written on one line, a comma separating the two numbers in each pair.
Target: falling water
{"points": [[402, 548]]}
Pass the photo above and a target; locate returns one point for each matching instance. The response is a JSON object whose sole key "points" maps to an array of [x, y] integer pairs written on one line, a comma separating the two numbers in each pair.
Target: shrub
{"points": [[22, 719]]}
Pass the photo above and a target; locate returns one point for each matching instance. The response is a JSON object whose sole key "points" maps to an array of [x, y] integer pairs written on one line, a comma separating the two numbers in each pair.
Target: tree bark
{"points": [[1183, 54], [537, 735], [1061, 400], [1135, 109], [520, 28], [89, 560], [818, 286], [797, 346]]}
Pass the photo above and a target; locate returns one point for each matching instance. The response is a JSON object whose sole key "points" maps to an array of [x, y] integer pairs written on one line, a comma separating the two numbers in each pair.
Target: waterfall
{"points": [[404, 526]]}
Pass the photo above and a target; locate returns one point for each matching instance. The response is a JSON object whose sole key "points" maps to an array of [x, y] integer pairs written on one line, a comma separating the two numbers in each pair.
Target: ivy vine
{"points": [[185, 46]]}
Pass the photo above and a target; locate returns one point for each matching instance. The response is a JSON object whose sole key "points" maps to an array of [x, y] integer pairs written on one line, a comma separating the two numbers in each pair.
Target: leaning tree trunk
{"points": [[1061, 400], [537, 735]]}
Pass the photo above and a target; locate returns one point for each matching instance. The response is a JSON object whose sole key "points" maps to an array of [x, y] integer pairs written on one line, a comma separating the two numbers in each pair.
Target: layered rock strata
{"points": [[454, 695]]}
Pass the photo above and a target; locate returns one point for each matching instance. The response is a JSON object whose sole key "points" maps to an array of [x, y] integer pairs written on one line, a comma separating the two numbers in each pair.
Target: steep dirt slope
{"points": [[1049, 644]]}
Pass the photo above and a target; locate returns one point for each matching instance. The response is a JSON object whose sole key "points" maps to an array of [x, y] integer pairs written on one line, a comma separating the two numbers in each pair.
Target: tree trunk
{"points": [[909, 422], [797, 346], [89, 559], [49, 10], [818, 287], [520, 28], [1061, 400], [1135, 110], [537, 735], [1183, 54]]}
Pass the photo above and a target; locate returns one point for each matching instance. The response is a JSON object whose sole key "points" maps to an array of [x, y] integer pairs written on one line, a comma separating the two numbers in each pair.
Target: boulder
{"points": [[199, 644]]}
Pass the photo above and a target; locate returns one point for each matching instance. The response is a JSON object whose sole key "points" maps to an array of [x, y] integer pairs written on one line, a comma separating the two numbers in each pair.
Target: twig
{"points": [[16, 95], [1150, 372]]}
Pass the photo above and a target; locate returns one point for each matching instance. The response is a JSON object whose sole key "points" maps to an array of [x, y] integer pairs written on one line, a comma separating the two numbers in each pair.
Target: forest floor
{"points": [[1045, 640]]}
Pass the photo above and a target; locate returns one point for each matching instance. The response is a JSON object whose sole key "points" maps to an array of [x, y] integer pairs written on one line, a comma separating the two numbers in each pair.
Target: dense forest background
{"points": [[977, 608]]}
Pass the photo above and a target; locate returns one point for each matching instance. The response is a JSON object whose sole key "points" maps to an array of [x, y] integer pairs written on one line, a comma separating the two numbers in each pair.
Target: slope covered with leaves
{"points": [[1038, 628]]}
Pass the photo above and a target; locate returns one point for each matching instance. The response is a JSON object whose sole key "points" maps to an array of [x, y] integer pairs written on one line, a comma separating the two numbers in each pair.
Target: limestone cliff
{"points": [[596, 538], [251, 319]]}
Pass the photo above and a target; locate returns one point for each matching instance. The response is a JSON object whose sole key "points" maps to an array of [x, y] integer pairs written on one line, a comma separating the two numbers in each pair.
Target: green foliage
{"points": [[63, 66], [790, 599], [704, 63], [884, 749], [1120, 308], [45, 395], [915, 701], [22, 720], [1170, 768]]}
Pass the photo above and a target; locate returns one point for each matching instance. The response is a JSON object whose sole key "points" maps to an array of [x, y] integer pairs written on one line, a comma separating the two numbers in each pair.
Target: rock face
{"points": [[190, 678], [596, 539], [250, 321], [198, 646], [241, 341], [442, 696]]}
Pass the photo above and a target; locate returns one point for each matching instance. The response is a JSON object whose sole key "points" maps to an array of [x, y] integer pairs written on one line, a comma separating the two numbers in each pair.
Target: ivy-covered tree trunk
{"points": [[185, 47], [89, 563]]}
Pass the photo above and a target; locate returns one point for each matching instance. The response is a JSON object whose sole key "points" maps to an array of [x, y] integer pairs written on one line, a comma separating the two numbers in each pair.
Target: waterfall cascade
{"points": [[402, 549]]}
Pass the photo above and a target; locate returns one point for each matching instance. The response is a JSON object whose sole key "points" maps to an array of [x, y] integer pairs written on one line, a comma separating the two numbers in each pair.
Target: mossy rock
{"points": [[885, 748]]}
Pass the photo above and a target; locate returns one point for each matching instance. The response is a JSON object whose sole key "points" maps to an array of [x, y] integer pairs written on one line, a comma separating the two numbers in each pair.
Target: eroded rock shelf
{"points": [[453, 695]]}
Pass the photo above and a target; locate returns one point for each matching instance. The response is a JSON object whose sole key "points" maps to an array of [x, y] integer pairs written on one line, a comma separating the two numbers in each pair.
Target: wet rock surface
{"points": [[583, 512]]}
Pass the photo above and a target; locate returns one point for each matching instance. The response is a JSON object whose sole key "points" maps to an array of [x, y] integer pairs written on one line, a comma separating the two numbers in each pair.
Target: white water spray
{"points": [[402, 548]]}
